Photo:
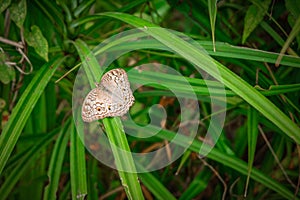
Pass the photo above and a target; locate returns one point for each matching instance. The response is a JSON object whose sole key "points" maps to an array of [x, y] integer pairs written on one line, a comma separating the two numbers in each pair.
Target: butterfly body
{"points": [[112, 97]]}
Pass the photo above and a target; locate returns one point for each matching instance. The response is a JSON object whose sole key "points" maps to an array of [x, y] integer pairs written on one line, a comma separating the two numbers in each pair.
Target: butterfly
{"points": [[112, 97]]}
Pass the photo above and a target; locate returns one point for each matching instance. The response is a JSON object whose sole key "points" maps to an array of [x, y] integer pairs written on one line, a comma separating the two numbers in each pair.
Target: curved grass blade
{"points": [[23, 109], [156, 187], [230, 79], [23, 164], [113, 127], [117, 136], [224, 49], [219, 156], [295, 31]]}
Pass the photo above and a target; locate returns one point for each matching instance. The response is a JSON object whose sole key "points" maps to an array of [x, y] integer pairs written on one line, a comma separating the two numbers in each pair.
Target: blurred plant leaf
{"points": [[56, 162], [252, 129], [83, 6], [25, 161], [212, 8], [18, 12], [77, 165], [230, 79], [254, 16], [198, 184], [295, 31], [7, 73], [293, 7], [155, 186], [21, 112], [4, 4], [36, 40]]}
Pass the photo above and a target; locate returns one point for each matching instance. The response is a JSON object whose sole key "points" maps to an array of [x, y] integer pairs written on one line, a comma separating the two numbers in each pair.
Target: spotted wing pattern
{"points": [[112, 97]]}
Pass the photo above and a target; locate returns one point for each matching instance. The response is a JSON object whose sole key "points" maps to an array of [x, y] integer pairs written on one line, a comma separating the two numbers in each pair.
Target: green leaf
{"points": [[198, 184], [77, 166], [24, 162], [56, 162], [54, 14], [293, 7], [124, 162], [4, 4], [204, 62], [93, 178], [7, 73], [18, 118], [83, 6], [254, 16], [36, 40], [212, 8], [252, 127], [155, 186], [294, 33], [113, 127], [219, 156], [18, 12]]}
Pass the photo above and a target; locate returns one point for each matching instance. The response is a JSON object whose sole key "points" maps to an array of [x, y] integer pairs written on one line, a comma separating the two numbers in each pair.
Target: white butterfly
{"points": [[112, 97]]}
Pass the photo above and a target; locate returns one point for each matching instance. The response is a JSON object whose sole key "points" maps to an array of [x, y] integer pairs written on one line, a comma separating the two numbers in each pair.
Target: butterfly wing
{"points": [[112, 98], [116, 83], [95, 105]]}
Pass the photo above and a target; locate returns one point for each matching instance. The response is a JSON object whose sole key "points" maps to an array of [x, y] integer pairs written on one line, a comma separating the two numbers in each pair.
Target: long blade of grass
{"points": [[155, 186], [223, 49], [23, 109], [56, 162], [124, 161], [230, 79], [38, 126], [252, 127], [93, 178], [198, 185], [114, 128], [295, 31], [212, 10], [77, 166], [219, 156], [25, 161]]}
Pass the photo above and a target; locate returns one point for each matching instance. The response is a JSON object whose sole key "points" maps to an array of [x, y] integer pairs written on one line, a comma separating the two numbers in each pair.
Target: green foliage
{"points": [[7, 73], [255, 14], [42, 154], [36, 39], [18, 12]]}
